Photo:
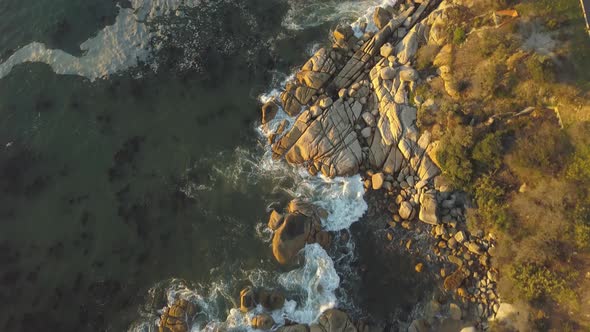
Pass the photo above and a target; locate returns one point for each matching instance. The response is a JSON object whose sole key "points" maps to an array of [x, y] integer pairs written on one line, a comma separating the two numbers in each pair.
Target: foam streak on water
{"points": [[117, 47]]}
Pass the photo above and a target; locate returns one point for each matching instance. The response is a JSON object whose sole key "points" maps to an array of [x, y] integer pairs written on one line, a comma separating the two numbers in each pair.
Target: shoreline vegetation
{"points": [[469, 123]]}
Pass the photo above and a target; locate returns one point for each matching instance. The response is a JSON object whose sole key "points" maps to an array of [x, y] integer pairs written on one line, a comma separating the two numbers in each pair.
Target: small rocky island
{"points": [[355, 109]]}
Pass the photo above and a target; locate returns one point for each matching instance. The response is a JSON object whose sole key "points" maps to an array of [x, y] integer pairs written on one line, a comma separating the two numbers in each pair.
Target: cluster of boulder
{"points": [[354, 115]]}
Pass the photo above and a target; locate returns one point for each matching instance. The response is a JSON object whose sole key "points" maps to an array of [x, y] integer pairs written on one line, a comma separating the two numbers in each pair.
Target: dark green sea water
{"points": [[108, 187]]}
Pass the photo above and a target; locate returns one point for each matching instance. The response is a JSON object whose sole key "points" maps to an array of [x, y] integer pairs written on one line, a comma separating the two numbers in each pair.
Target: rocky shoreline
{"points": [[354, 114]]}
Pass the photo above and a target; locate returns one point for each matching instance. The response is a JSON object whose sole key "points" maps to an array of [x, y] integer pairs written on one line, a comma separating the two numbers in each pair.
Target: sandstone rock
{"points": [[460, 236], [387, 50], [455, 280], [408, 75], [291, 237], [388, 73], [269, 111], [333, 320], [275, 220], [428, 209], [315, 111], [377, 180], [326, 102], [366, 132], [455, 311], [177, 317], [369, 119], [329, 141], [474, 248], [247, 299], [407, 48], [381, 17], [405, 210], [419, 267], [342, 33], [262, 322]]}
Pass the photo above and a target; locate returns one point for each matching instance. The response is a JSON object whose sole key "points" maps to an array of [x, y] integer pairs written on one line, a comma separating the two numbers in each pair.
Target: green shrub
{"points": [[490, 197], [540, 68], [487, 153], [454, 156], [543, 148], [459, 35], [578, 168], [581, 219], [425, 56], [537, 283]]}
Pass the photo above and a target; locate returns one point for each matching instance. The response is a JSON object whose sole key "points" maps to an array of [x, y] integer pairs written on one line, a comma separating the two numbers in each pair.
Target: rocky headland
{"points": [[354, 112]]}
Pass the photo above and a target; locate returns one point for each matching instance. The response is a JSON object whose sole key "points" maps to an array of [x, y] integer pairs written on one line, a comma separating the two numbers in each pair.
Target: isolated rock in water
{"points": [[291, 237], [428, 208], [275, 220], [247, 299], [269, 111], [262, 322], [177, 317], [329, 141], [333, 320], [377, 180], [405, 210], [381, 17]]}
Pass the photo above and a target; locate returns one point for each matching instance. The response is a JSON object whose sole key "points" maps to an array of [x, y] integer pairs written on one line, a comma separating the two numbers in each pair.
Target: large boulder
{"points": [[301, 225], [428, 208], [291, 237], [269, 111], [333, 320], [405, 210], [177, 317], [328, 142]]}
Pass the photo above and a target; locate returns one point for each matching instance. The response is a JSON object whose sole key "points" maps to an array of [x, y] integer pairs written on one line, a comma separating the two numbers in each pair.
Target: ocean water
{"points": [[132, 167]]}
